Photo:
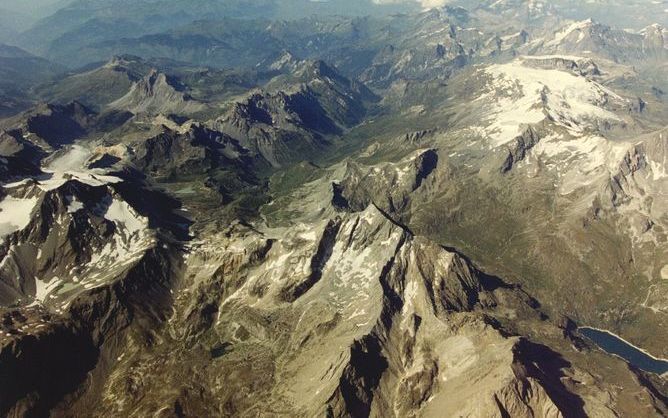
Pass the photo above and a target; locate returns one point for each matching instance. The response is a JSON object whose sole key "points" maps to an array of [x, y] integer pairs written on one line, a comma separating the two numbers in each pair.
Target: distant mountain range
{"points": [[88, 21], [19, 70]]}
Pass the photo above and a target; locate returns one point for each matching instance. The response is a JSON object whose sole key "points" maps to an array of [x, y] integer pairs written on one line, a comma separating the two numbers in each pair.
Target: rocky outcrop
{"points": [[157, 93], [207, 157], [74, 275], [172, 153], [420, 62], [581, 66], [386, 185], [633, 161], [654, 41], [389, 323], [18, 158], [78, 238], [47, 368], [293, 117], [408, 317], [318, 261], [417, 136], [51, 126], [632, 193], [519, 149]]}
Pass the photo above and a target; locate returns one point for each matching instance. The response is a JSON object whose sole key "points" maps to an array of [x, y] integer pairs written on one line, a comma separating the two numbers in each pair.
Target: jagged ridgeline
{"points": [[300, 208]]}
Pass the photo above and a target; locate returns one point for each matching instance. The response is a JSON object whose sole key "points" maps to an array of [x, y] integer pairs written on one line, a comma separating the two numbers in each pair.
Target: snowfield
{"points": [[530, 95], [73, 164], [15, 214]]}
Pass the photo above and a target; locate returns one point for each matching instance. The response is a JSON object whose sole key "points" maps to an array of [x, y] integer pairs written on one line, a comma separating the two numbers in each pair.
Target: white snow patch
{"points": [[521, 96], [563, 34], [309, 235], [16, 184], [579, 161], [279, 262], [658, 170], [72, 164], [122, 214], [15, 214], [43, 289], [74, 204]]}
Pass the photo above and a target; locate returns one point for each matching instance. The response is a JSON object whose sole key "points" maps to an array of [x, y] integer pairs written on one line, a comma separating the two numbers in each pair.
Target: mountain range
{"points": [[334, 208]]}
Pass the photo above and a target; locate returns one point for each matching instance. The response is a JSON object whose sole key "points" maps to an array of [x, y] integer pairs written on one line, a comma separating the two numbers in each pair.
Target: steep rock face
{"points": [[392, 324], [498, 46], [157, 93], [518, 151], [294, 110], [633, 198], [78, 260], [634, 161], [351, 317], [50, 126], [417, 136], [48, 367], [588, 35], [196, 153], [399, 368], [276, 126], [97, 87], [75, 228], [74, 276], [171, 152], [285, 63], [654, 41], [76, 238], [327, 304], [387, 185], [295, 114], [343, 99], [581, 66], [18, 157], [633, 190]]}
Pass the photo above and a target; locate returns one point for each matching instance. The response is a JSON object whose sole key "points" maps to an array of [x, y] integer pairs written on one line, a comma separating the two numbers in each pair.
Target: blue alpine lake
{"points": [[612, 344]]}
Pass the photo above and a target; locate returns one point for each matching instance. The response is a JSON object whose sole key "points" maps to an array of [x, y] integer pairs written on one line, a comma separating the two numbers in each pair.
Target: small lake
{"points": [[612, 344]]}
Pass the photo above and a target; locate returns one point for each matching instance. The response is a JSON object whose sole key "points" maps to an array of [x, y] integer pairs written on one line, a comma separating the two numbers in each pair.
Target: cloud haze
{"points": [[425, 3]]}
